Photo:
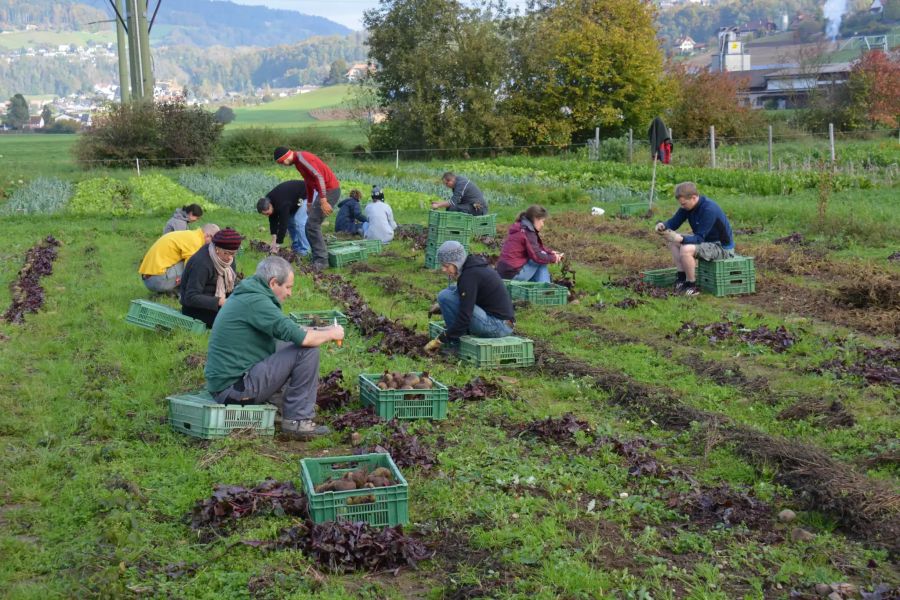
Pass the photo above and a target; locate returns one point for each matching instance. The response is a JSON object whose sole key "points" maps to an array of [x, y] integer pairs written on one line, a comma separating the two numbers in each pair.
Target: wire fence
{"points": [[873, 153]]}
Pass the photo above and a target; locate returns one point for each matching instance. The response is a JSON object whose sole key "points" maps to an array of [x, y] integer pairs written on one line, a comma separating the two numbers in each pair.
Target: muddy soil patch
{"points": [[866, 507]]}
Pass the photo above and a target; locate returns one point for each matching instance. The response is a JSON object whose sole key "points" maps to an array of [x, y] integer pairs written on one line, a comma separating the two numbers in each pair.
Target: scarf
{"points": [[224, 274]]}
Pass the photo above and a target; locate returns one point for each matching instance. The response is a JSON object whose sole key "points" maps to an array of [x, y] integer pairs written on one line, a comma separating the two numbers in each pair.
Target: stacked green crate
{"points": [[445, 226], [728, 277], [484, 226]]}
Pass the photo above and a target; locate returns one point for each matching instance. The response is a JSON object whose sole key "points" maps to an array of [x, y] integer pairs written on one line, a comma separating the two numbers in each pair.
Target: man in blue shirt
{"points": [[711, 238]]}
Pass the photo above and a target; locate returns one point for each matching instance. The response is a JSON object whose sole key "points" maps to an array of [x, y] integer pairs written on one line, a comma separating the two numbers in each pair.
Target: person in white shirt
{"points": [[381, 224]]}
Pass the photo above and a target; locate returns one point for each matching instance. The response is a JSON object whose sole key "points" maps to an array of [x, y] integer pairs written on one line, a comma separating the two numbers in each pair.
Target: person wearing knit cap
{"points": [[209, 277], [381, 223], [322, 190], [164, 263], [478, 304]]}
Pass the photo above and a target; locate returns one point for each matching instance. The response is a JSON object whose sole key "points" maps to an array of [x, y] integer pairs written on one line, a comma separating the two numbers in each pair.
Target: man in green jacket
{"points": [[255, 350]]}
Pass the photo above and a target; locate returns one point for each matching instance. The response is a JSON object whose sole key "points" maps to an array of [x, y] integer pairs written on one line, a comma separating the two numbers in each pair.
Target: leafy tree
{"points": [[441, 69], [707, 98], [17, 115], [337, 73], [224, 115], [874, 89], [598, 65]]}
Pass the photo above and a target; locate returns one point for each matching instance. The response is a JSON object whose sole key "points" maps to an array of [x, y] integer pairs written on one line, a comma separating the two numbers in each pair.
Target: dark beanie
{"points": [[280, 151], [227, 239]]}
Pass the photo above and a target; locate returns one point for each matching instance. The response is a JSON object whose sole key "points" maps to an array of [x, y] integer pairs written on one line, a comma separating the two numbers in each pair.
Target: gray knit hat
{"points": [[452, 252]]}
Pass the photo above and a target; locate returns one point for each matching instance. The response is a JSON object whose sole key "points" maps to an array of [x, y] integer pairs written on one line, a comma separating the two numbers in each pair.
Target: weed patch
{"points": [[830, 414], [778, 339], [231, 502]]}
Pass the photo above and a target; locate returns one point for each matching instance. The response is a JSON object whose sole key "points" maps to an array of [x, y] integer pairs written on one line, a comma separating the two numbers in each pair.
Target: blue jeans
{"points": [[481, 324], [297, 230], [166, 282], [534, 272]]}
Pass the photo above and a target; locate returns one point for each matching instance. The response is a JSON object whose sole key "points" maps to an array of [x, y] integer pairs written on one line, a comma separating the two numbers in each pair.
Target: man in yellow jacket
{"points": [[164, 262]]}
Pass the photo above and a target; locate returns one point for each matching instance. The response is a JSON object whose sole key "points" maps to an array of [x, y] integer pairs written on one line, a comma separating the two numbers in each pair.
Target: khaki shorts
{"points": [[712, 251]]}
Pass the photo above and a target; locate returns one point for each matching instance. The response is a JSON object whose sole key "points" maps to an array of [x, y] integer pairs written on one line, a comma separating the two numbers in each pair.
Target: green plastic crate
{"points": [[341, 257], [638, 208], [370, 246], [450, 220], [728, 277], [198, 415], [542, 294], [157, 317], [435, 328], [404, 404], [497, 353], [391, 505], [491, 353], [325, 317], [660, 277], [484, 226], [438, 236], [726, 268]]}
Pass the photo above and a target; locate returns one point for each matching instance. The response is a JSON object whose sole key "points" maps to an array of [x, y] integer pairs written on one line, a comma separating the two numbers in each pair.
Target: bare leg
{"points": [[689, 262], [675, 249]]}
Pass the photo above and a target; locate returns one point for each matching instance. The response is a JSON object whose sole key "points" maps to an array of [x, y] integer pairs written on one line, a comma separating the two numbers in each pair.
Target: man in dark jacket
{"points": [[478, 304], [285, 205], [466, 196], [350, 216], [255, 350], [209, 277], [711, 240]]}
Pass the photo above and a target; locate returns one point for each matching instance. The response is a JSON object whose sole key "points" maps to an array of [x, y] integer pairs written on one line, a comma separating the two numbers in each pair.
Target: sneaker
{"points": [[690, 289], [303, 430], [319, 266], [679, 286]]}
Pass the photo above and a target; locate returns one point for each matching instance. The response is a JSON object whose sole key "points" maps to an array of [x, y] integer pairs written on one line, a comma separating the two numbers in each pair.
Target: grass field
{"points": [[291, 111], [666, 481]]}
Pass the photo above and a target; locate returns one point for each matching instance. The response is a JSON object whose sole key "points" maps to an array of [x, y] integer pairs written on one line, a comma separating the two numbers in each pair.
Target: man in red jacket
{"points": [[322, 189]]}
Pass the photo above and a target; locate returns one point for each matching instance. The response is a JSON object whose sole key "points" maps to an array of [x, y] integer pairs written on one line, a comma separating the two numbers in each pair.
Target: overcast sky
{"points": [[346, 12]]}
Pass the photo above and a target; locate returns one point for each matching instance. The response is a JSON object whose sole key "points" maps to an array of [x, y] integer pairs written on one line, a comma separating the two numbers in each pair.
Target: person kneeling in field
{"points": [[524, 256], [478, 304], [209, 277], [182, 217], [255, 350], [350, 218], [711, 240], [164, 262], [381, 224]]}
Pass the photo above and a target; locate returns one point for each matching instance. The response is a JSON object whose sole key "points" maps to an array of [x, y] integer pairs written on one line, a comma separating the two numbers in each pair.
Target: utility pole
{"points": [[132, 22], [124, 81]]}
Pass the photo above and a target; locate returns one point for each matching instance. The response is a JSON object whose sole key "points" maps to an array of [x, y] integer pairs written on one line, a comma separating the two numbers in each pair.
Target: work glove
{"points": [[672, 236], [433, 345], [660, 227], [326, 208]]}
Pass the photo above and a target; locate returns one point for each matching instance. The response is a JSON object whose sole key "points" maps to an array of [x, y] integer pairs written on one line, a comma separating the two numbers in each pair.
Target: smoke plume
{"points": [[834, 12]]}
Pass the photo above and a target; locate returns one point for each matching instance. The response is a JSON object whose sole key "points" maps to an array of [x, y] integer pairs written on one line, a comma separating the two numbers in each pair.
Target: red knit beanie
{"points": [[227, 239]]}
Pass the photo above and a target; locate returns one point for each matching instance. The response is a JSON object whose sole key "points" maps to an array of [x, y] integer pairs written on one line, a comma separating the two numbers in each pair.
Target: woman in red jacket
{"points": [[524, 256]]}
